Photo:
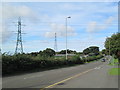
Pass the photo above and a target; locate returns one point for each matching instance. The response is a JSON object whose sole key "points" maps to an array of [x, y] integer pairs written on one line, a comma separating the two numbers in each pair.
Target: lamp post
{"points": [[66, 35], [109, 49], [109, 46]]}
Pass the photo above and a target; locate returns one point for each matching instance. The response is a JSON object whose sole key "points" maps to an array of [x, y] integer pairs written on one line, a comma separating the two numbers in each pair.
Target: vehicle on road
{"points": [[103, 60]]}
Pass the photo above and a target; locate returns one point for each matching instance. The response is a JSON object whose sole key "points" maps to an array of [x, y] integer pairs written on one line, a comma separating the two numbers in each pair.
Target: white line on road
{"points": [[97, 68], [33, 76]]}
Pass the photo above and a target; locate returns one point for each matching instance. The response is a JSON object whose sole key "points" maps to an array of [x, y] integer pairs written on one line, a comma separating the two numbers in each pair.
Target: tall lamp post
{"points": [[109, 46], [109, 50], [66, 35]]}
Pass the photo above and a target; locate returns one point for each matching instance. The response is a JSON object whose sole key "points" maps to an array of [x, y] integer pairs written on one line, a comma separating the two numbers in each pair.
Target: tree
{"points": [[112, 45], [92, 49], [34, 53], [48, 52], [68, 51], [86, 51], [62, 52], [103, 51]]}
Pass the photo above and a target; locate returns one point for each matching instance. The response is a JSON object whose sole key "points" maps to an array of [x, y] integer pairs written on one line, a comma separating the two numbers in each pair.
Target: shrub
{"points": [[92, 58], [75, 60], [25, 62]]}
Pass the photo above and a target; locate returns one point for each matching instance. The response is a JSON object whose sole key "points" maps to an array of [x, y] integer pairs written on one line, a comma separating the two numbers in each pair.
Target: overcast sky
{"points": [[90, 24]]}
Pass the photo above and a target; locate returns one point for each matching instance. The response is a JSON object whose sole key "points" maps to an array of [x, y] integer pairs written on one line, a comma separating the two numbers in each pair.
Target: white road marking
{"points": [[97, 67], [33, 77]]}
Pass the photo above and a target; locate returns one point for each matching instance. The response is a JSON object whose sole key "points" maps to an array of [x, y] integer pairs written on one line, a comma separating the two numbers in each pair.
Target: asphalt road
{"points": [[89, 75]]}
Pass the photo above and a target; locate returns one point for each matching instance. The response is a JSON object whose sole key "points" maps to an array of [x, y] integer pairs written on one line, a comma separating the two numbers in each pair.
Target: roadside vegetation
{"points": [[47, 58], [114, 62], [41, 60], [112, 45], [114, 71]]}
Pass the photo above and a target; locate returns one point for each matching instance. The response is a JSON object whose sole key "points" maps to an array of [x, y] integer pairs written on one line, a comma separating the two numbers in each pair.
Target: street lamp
{"points": [[109, 50], [66, 35], [109, 45]]}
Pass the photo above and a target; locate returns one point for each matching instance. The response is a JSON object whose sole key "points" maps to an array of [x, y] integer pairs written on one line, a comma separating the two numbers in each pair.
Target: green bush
{"points": [[92, 58], [75, 60], [25, 62]]}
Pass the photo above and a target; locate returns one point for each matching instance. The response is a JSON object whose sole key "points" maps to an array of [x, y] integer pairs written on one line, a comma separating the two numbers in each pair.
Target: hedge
{"points": [[23, 62]]}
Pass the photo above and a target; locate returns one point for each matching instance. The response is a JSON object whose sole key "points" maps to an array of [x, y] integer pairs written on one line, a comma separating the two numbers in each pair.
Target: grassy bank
{"points": [[114, 62], [114, 71]]}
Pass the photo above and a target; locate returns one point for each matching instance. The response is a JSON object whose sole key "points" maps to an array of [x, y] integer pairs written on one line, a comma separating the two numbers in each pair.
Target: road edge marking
{"points": [[67, 79]]}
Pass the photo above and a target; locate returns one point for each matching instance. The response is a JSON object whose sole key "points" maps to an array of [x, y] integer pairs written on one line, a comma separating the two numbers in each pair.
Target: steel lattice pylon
{"points": [[19, 46]]}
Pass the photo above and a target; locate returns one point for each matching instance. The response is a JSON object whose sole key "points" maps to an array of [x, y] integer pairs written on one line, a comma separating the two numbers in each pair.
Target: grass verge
{"points": [[114, 71], [114, 62]]}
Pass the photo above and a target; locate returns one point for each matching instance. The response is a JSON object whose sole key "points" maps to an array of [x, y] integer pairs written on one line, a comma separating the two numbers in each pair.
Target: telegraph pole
{"points": [[19, 46]]}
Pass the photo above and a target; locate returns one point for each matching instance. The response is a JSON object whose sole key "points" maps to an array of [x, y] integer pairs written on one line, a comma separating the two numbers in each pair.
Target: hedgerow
{"points": [[24, 62]]}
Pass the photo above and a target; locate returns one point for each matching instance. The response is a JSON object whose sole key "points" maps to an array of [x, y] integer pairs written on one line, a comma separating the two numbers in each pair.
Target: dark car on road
{"points": [[103, 60]]}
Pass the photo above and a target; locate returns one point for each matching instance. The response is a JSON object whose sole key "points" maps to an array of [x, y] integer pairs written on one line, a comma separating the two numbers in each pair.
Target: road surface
{"points": [[89, 75]]}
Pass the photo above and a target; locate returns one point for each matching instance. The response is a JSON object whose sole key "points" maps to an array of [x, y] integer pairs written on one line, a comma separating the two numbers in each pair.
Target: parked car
{"points": [[103, 60]]}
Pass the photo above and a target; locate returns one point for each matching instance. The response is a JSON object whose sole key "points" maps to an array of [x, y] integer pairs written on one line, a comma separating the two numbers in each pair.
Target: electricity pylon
{"points": [[19, 46]]}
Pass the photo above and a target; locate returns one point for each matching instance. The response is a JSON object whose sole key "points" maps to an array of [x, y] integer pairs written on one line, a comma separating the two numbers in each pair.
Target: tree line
{"points": [[112, 46]]}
